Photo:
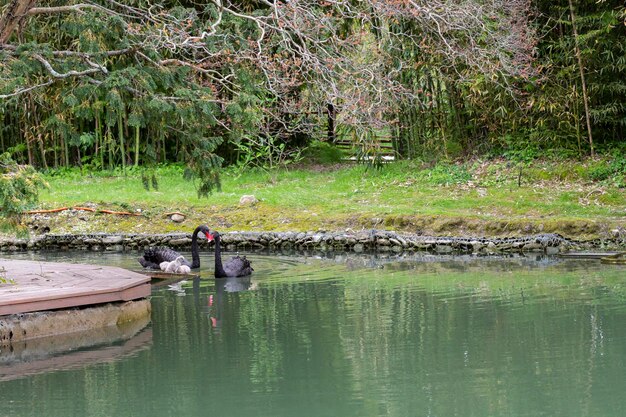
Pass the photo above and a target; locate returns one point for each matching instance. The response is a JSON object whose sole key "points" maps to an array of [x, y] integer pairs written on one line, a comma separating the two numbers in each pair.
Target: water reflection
{"points": [[73, 350], [365, 335], [290, 257], [223, 286]]}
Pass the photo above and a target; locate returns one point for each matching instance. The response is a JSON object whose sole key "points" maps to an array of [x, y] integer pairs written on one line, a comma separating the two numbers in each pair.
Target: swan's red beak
{"points": [[209, 236]]}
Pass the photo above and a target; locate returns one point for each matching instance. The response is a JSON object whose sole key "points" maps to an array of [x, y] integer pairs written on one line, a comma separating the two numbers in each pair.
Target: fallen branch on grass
{"points": [[174, 212], [56, 210], [46, 211]]}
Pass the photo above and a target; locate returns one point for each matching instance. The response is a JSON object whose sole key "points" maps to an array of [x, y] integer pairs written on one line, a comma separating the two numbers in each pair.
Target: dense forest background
{"points": [[105, 84]]}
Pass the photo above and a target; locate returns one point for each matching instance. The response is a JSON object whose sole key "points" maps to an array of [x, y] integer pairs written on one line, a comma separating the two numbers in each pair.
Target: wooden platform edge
{"points": [[587, 255], [166, 275], [617, 259], [44, 304], [34, 286]]}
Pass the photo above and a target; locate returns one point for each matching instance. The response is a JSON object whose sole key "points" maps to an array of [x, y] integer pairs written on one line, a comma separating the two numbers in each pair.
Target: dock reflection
{"points": [[73, 350]]}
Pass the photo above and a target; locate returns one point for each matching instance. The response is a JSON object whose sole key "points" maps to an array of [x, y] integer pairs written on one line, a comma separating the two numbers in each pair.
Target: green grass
{"points": [[403, 195]]}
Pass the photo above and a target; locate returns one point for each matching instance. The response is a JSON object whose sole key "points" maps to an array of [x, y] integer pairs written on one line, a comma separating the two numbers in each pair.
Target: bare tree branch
{"points": [[304, 45], [70, 8], [26, 90], [96, 68]]}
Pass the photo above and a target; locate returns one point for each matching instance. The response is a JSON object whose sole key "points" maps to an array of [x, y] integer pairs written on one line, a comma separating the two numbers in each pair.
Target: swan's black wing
{"points": [[238, 267], [148, 264], [153, 257]]}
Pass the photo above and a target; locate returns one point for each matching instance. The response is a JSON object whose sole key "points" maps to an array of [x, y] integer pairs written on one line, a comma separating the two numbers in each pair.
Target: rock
{"points": [[533, 246], [553, 250], [177, 218], [476, 246], [443, 249], [248, 200], [112, 240], [180, 241]]}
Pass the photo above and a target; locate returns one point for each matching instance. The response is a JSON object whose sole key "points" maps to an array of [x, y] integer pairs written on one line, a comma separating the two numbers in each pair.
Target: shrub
{"points": [[322, 153], [19, 187]]}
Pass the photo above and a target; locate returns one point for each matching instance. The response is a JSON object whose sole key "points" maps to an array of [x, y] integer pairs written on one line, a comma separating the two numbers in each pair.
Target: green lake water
{"points": [[366, 335]]}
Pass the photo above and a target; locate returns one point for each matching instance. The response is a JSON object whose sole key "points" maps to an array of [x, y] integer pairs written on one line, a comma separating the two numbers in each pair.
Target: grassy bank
{"points": [[577, 199]]}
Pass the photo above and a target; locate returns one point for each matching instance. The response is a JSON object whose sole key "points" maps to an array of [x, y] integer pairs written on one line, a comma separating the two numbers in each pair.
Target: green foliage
{"points": [[153, 114], [19, 188], [556, 106], [463, 112], [447, 174], [319, 152], [265, 152], [141, 111], [149, 179], [612, 171]]}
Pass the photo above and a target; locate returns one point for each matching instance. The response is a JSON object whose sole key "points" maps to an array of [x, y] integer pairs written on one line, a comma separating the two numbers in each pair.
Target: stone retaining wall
{"points": [[373, 240], [114, 319]]}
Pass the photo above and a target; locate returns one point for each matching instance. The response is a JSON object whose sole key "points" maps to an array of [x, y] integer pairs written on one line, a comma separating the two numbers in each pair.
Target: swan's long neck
{"points": [[195, 256], [219, 268]]}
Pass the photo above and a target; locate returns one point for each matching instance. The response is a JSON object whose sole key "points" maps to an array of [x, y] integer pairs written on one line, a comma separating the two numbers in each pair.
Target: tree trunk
{"points": [[42, 150], [2, 147], [16, 11], [331, 123], [66, 151]]}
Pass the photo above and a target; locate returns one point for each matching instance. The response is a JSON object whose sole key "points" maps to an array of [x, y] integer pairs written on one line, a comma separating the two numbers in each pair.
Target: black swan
{"points": [[153, 257], [235, 267]]}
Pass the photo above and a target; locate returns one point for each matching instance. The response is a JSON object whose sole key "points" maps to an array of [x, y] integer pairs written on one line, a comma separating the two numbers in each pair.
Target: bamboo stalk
{"points": [[2, 148], [110, 147], [120, 128], [54, 149], [137, 145], [582, 75], [101, 136], [66, 151]]}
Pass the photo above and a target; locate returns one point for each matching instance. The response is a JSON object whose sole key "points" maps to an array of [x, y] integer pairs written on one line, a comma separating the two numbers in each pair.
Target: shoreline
{"points": [[354, 241]]}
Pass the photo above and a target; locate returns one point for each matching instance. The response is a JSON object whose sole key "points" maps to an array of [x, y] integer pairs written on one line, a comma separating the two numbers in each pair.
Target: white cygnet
{"points": [[183, 269]]}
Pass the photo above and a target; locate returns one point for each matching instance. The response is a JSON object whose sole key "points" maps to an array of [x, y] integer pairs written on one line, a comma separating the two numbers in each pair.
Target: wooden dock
{"points": [[161, 279], [39, 286]]}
